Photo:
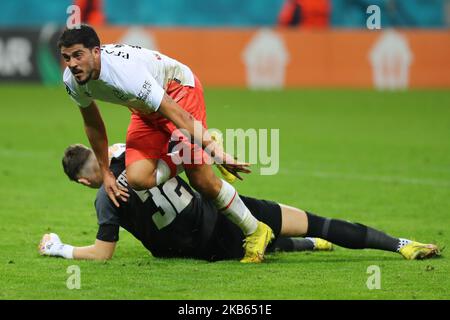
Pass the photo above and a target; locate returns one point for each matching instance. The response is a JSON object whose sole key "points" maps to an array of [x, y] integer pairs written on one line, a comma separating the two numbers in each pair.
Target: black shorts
{"points": [[227, 238]]}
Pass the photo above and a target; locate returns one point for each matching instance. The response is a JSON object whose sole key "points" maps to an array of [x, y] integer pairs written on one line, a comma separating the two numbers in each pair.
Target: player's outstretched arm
{"points": [[96, 133], [51, 245], [100, 250]]}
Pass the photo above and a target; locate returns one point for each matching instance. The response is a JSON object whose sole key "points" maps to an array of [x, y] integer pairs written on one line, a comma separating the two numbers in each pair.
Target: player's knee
{"points": [[139, 181]]}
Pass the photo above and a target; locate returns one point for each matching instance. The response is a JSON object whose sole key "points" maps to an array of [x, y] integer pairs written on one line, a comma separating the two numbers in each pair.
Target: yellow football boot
{"points": [[256, 243], [322, 245], [416, 250]]}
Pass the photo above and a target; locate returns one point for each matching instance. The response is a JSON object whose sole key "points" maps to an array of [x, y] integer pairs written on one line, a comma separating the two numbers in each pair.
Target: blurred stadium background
{"points": [[364, 119], [258, 44]]}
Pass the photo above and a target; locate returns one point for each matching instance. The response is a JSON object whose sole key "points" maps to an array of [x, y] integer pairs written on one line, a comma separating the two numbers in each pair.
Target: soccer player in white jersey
{"points": [[163, 95]]}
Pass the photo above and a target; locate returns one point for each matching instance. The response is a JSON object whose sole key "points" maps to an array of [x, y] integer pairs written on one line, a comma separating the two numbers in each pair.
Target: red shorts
{"points": [[148, 136]]}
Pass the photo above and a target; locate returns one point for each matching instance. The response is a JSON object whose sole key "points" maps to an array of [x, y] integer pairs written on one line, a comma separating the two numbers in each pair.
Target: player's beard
{"points": [[82, 82]]}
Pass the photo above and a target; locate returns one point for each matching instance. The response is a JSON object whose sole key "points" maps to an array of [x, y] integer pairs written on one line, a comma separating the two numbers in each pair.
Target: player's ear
{"points": [[84, 182], [96, 50]]}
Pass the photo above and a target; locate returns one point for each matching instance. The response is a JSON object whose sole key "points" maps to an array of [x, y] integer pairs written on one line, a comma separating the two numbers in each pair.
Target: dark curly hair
{"points": [[85, 35]]}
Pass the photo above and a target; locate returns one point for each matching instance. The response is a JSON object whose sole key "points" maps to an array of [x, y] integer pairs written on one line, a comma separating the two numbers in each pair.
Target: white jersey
{"points": [[130, 76]]}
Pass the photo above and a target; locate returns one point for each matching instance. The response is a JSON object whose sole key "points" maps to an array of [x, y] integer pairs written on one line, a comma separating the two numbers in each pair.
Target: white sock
{"points": [[402, 242], [229, 203]]}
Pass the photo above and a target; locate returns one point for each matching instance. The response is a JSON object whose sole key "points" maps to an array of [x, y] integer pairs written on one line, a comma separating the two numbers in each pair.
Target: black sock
{"points": [[291, 244], [349, 235]]}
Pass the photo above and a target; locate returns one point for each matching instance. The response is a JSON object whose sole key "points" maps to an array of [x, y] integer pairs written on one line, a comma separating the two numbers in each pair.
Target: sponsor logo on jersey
{"points": [[145, 91]]}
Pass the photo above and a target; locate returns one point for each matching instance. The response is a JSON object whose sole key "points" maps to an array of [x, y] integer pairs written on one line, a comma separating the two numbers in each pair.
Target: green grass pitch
{"points": [[382, 159]]}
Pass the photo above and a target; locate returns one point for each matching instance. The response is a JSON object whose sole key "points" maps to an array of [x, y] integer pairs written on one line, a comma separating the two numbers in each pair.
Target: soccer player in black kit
{"points": [[172, 220]]}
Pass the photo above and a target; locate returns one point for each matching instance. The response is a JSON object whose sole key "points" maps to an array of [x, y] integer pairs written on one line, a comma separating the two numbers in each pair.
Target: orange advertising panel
{"points": [[271, 58]]}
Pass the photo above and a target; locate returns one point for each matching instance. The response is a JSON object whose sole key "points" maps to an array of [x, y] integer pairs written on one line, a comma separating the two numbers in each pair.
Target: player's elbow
{"points": [[103, 256], [92, 253], [103, 253]]}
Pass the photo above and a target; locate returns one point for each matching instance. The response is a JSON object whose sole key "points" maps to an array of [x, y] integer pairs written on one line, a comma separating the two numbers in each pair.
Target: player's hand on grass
{"points": [[114, 190], [48, 244], [51, 245]]}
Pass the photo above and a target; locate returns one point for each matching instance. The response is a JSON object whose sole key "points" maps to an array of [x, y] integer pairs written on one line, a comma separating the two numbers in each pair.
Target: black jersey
{"points": [[169, 220], [172, 220]]}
